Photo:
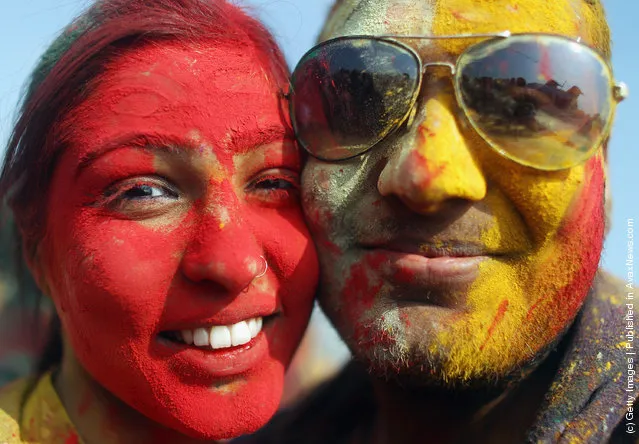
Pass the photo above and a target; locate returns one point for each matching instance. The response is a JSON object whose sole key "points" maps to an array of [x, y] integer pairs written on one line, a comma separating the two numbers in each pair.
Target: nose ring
{"points": [[265, 268]]}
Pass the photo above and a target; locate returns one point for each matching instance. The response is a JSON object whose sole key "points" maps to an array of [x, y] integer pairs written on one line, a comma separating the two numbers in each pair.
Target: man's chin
{"points": [[432, 371]]}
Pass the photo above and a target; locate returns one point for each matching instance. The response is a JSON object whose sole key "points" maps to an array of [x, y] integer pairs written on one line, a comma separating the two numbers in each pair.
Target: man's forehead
{"points": [[370, 17]]}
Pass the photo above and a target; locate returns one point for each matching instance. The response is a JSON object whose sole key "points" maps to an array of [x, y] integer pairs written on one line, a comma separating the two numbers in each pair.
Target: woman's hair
{"points": [[66, 74]]}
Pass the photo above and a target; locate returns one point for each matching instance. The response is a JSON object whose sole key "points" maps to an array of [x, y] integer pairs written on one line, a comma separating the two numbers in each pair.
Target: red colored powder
{"points": [[582, 233], [534, 306], [359, 294], [125, 269], [72, 439], [501, 311]]}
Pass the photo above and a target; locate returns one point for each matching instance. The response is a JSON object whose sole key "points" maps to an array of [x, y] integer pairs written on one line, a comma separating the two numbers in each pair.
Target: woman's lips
{"points": [[215, 363]]}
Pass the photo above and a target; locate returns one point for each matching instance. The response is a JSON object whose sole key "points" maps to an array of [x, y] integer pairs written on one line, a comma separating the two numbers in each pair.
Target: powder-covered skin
{"points": [[438, 186], [178, 175]]}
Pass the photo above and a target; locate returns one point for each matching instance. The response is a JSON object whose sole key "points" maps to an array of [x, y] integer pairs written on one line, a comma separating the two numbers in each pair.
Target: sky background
{"points": [[28, 26]]}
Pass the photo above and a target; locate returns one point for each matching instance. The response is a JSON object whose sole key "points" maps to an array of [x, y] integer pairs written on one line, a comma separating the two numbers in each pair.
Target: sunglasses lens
{"points": [[543, 101], [349, 93]]}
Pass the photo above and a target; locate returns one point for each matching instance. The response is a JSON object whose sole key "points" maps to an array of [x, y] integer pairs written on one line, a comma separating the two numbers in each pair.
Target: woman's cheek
{"points": [[119, 269], [290, 252]]}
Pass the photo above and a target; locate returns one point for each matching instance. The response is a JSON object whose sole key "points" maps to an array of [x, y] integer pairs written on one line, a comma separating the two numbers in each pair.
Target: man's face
{"points": [[440, 258]]}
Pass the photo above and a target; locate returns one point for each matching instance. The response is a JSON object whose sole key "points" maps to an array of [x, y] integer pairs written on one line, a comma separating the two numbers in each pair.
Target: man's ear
{"points": [[607, 201]]}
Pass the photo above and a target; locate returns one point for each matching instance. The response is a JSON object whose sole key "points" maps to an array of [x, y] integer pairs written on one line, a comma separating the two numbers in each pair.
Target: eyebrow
{"points": [[141, 141], [241, 140], [244, 140]]}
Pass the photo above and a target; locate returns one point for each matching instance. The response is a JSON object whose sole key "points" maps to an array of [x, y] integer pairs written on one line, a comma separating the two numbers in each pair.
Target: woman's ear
{"points": [[32, 254]]}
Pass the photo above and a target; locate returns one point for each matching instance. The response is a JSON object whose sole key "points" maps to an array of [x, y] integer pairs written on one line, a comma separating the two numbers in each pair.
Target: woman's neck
{"points": [[100, 417]]}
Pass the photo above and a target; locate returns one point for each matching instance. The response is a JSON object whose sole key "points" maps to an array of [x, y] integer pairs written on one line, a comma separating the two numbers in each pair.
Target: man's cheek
{"points": [[319, 209]]}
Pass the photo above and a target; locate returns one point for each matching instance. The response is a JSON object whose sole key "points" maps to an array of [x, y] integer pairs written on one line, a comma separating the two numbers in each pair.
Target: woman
{"points": [[154, 182]]}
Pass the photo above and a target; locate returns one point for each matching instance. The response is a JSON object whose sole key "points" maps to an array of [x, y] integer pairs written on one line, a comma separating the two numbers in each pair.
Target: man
{"points": [[460, 222]]}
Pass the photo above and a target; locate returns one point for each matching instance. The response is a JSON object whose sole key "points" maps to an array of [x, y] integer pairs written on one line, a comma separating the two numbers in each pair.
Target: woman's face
{"points": [[178, 181]]}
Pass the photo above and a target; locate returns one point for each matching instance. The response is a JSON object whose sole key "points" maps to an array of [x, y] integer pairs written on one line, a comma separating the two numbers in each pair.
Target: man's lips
{"points": [[443, 249], [433, 269], [447, 271]]}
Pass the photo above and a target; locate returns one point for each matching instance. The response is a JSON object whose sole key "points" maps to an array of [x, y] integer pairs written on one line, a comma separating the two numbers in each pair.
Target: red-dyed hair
{"points": [[68, 72]]}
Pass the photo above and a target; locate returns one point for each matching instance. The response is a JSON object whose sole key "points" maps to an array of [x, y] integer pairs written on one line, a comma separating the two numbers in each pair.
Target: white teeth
{"points": [[240, 333], [252, 325], [201, 337], [187, 336], [220, 336]]}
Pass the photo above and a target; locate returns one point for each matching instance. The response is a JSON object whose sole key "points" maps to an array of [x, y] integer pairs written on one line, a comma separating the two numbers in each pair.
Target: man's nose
{"points": [[225, 255], [434, 165]]}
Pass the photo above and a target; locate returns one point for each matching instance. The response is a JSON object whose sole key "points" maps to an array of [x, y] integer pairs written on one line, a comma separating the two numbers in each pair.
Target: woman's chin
{"points": [[228, 408]]}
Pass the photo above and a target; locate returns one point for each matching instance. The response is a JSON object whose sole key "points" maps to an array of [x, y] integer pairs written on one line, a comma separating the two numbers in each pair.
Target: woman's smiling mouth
{"points": [[218, 336]]}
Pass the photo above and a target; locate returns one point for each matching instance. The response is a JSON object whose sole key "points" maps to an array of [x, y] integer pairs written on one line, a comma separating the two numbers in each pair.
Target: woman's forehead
{"points": [[175, 91], [352, 17]]}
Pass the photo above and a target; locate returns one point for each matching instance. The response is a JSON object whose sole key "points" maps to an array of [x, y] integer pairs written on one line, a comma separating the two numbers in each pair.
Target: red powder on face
{"points": [[534, 306], [360, 292], [501, 311], [125, 269], [458, 15], [425, 132], [582, 234], [404, 275], [427, 172], [405, 319], [72, 439]]}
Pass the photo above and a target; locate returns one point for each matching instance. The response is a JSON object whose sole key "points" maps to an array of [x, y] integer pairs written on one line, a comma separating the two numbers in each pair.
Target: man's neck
{"points": [[443, 416]]}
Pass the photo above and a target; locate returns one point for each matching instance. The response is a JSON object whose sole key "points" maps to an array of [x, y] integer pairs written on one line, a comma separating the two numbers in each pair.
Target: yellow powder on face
{"points": [[375, 17], [543, 198], [513, 309], [485, 16], [569, 17], [596, 26], [446, 173]]}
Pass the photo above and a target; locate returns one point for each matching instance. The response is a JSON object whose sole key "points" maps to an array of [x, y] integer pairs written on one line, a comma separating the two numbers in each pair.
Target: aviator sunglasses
{"points": [[541, 100]]}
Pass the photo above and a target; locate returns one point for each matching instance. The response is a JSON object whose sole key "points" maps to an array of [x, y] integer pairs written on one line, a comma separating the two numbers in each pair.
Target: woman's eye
{"points": [[140, 198], [276, 184], [276, 187], [143, 191]]}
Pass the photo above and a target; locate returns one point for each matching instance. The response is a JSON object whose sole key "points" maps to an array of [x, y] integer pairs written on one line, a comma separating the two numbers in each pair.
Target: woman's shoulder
{"points": [[10, 400]]}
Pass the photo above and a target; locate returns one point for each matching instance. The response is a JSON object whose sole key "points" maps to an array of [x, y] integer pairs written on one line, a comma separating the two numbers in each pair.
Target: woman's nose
{"points": [[227, 255], [435, 164]]}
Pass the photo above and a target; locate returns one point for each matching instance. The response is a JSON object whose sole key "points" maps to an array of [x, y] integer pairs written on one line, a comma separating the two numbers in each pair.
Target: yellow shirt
{"points": [[42, 420]]}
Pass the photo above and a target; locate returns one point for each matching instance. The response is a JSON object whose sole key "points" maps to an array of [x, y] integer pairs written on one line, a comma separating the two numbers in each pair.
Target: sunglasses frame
{"points": [[619, 90]]}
